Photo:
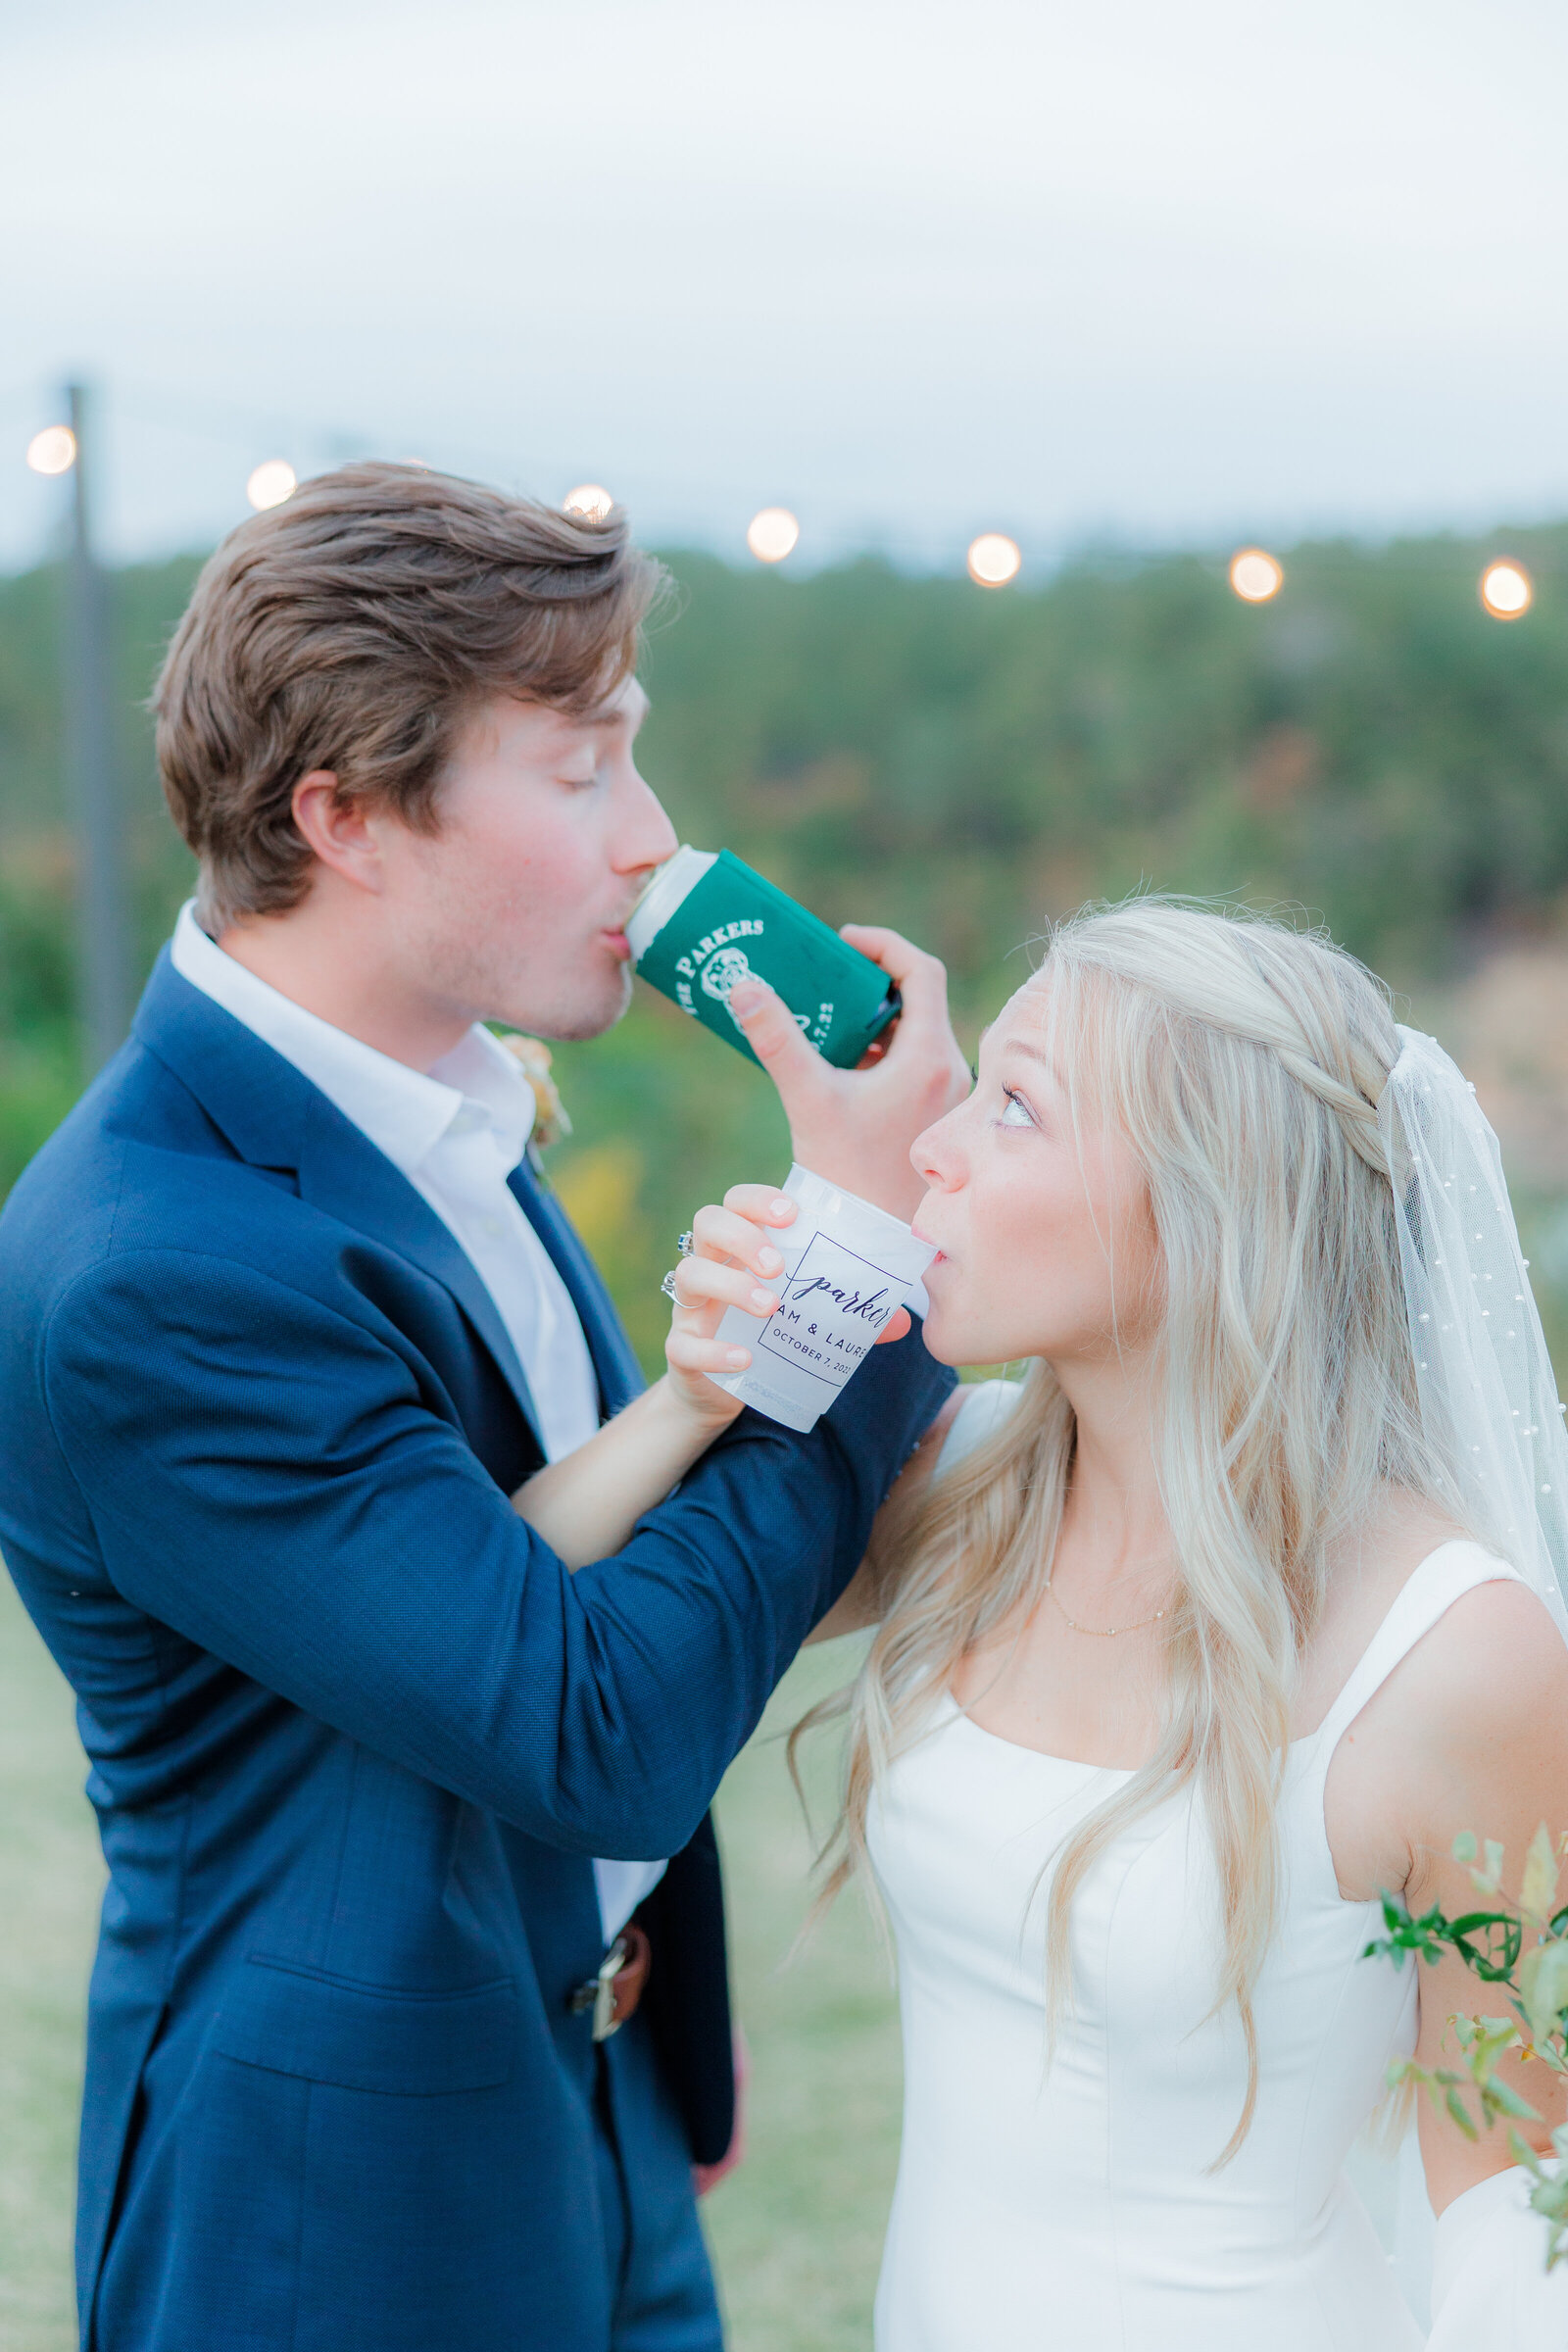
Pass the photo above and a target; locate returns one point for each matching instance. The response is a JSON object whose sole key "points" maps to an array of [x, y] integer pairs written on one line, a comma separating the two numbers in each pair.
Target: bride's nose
{"points": [[934, 1154]]}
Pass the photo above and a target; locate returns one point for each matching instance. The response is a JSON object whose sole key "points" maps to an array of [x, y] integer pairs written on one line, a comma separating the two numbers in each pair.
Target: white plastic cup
{"points": [[848, 1269]]}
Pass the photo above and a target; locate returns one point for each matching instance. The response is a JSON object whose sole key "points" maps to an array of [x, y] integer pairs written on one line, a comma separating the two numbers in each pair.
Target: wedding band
{"points": [[668, 1285], [683, 1246]]}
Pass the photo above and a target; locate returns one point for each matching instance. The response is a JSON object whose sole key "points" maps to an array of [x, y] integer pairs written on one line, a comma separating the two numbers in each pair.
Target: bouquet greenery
{"points": [[1523, 1948]]}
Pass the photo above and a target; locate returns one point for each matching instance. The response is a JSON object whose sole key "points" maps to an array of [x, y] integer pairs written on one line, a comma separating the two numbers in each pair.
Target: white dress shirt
{"points": [[455, 1132]]}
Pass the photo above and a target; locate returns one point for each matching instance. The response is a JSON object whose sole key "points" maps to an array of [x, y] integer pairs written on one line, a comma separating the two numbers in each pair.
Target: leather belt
{"points": [[613, 1995]]}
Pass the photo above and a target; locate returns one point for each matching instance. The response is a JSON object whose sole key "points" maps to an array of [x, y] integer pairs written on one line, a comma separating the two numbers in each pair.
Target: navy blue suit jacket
{"points": [[355, 1733]]}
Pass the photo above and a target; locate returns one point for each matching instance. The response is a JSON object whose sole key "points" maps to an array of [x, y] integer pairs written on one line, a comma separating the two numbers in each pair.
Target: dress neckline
{"points": [[1306, 1739], [1018, 1747]]}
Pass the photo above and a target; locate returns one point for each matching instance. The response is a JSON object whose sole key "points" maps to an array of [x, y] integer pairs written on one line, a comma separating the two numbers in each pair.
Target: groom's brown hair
{"points": [[355, 628]]}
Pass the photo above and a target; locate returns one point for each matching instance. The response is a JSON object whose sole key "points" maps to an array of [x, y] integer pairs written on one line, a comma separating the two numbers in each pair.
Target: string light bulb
{"points": [[590, 501], [1256, 575], [994, 560], [772, 534], [270, 482], [53, 451], [1506, 592]]}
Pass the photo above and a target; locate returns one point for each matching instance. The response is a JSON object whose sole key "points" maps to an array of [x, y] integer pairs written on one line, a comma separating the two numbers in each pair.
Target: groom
{"points": [[289, 1315]]}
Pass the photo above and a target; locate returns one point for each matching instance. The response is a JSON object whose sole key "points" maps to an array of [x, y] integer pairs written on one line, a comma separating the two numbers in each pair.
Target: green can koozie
{"points": [[708, 922]]}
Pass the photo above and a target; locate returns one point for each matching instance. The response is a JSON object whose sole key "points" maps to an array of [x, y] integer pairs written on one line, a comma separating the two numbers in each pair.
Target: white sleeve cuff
{"points": [[1491, 2289]]}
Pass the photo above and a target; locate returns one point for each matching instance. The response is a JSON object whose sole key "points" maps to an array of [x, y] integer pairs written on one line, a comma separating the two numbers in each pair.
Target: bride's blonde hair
{"points": [[1244, 1061]]}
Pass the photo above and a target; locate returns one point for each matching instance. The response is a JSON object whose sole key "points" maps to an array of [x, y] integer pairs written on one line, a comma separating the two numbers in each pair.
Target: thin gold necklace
{"points": [[1102, 1633]]}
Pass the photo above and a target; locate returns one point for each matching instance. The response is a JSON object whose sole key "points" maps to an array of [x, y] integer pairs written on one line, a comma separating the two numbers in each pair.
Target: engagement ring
{"points": [[683, 1246], [668, 1285]]}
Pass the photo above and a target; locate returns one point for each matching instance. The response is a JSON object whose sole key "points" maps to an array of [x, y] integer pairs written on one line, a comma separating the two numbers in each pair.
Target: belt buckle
{"points": [[606, 2022], [599, 1992]]}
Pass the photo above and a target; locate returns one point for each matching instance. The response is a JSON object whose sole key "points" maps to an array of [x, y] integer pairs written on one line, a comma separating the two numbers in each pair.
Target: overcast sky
{"points": [[1135, 271]]}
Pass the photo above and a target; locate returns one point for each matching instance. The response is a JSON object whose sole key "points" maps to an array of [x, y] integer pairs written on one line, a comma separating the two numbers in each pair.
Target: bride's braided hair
{"points": [[1244, 1061], [1353, 1097]]}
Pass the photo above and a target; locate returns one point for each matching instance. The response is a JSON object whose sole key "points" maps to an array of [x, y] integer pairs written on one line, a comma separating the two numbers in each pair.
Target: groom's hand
{"points": [[854, 1127]]}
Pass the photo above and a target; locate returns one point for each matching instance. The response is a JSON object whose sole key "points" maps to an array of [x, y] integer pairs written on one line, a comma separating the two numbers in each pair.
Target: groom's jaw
{"points": [[508, 905]]}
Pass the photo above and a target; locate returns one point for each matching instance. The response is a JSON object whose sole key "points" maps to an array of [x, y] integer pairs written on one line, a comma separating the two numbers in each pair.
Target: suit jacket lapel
{"points": [[275, 1118], [618, 1372], [340, 1170]]}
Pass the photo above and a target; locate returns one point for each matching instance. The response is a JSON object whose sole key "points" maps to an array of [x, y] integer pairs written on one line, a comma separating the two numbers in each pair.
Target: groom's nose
{"points": [[644, 835]]}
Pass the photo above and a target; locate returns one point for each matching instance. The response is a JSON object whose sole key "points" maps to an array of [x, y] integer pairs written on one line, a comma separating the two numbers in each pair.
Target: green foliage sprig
{"points": [[1524, 1948]]}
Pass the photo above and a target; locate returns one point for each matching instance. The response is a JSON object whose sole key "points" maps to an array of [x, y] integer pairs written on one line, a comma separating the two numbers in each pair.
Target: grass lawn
{"points": [[50, 1879], [796, 2230]]}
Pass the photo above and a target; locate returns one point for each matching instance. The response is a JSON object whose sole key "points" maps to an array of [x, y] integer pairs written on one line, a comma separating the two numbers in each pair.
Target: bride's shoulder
{"points": [[1481, 1640], [1491, 1650], [1492, 1657], [1370, 1564], [1465, 1728]]}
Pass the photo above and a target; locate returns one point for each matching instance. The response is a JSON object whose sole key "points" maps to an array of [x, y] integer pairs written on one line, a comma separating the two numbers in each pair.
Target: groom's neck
{"points": [[325, 956]]}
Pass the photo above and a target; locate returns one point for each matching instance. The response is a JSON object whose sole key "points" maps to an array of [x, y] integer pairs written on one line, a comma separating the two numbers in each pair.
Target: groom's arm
{"points": [[270, 1476]]}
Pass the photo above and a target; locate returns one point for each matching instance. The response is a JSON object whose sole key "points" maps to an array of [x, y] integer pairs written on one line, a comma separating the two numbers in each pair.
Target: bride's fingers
{"points": [[703, 1282], [691, 1352], [722, 1233], [763, 1203]]}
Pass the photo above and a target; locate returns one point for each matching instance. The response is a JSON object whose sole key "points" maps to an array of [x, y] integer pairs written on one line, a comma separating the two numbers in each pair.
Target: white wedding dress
{"points": [[1076, 2208]]}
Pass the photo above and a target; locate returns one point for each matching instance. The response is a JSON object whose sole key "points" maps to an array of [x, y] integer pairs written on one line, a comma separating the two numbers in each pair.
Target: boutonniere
{"points": [[532, 1057]]}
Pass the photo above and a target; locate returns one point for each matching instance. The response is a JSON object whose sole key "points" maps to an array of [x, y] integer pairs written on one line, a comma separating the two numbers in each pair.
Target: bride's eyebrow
{"points": [[1022, 1045]]}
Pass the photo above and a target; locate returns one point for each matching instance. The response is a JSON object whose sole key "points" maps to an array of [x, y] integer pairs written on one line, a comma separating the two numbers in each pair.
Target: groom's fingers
{"points": [[898, 1323]]}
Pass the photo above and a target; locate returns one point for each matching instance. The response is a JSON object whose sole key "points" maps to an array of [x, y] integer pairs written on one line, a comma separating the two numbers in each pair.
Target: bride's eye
{"points": [[1016, 1114]]}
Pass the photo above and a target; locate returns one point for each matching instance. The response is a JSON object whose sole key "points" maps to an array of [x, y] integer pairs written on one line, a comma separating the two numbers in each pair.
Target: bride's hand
{"points": [[735, 1262], [855, 1127], [586, 1504]]}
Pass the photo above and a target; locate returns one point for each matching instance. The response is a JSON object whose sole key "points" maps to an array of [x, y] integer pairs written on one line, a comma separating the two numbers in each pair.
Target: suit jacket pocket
{"points": [[299, 2021]]}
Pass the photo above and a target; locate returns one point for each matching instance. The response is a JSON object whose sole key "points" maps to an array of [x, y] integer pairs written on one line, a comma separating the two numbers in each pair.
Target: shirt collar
{"points": [[404, 1111]]}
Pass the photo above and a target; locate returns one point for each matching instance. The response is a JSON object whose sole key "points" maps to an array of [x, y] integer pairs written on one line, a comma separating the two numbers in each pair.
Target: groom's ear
{"points": [[339, 830]]}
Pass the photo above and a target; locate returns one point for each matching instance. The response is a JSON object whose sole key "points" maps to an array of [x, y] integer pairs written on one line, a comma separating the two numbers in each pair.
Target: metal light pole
{"points": [[102, 965]]}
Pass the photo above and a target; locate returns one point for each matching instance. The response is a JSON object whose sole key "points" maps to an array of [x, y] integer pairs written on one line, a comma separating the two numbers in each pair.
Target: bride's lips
{"points": [[618, 944]]}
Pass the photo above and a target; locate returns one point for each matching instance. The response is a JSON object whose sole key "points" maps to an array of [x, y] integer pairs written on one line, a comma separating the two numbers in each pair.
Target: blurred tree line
{"points": [[962, 765]]}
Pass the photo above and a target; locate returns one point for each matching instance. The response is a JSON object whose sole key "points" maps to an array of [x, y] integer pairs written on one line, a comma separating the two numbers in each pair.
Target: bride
{"points": [[1236, 1611]]}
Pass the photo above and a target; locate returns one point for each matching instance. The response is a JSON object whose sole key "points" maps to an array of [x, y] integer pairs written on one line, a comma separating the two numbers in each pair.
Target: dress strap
{"points": [[1429, 1592]]}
